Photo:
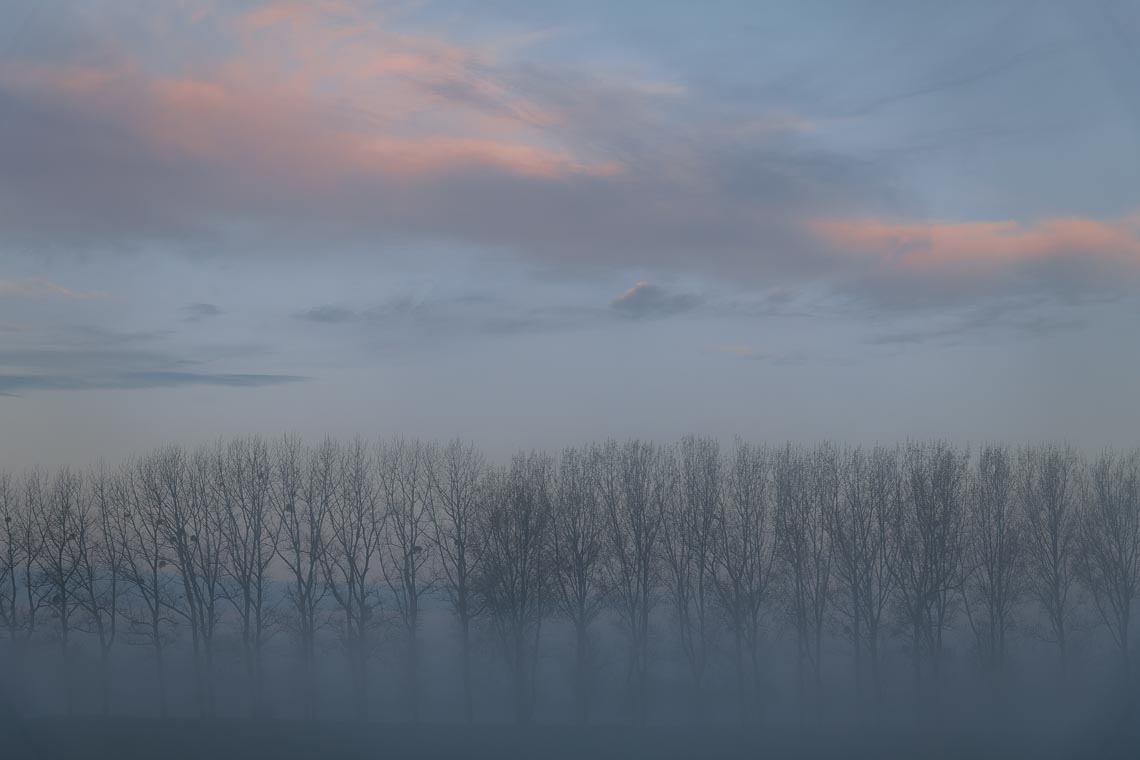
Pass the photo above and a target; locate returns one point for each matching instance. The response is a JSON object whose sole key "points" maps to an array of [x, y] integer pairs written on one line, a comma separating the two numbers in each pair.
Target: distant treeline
{"points": [[919, 564]]}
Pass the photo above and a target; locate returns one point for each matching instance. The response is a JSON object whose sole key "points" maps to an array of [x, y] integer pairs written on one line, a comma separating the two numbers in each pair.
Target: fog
{"points": [[570, 249], [399, 596]]}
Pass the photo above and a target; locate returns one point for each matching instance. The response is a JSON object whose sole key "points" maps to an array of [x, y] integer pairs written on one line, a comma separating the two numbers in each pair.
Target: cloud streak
{"points": [[37, 287], [14, 384], [81, 358], [196, 312], [415, 319], [985, 247], [981, 324], [645, 300]]}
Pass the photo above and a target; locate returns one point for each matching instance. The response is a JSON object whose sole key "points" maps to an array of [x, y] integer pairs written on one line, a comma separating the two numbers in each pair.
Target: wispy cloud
{"points": [[646, 300], [37, 287], [982, 247], [14, 384], [748, 352], [413, 319], [77, 358], [196, 312], [328, 315], [981, 324], [740, 350], [417, 321]]}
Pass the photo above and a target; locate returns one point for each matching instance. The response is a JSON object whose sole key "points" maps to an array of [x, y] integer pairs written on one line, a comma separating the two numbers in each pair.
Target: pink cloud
{"points": [[982, 246], [270, 14], [323, 92]]}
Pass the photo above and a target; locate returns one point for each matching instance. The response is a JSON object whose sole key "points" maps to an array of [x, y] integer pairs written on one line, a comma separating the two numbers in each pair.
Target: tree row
{"points": [[700, 558]]}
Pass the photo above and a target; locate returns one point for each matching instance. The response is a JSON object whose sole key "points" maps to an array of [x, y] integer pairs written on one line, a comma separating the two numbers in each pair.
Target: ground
{"points": [[176, 739]]}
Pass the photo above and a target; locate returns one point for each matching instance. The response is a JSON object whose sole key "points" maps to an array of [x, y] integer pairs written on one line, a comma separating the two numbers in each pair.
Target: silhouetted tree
{"points": [[863, 548], [190, 534], [688, 551], [405, 489], [517, 578], [305, 490], [995, 570], [10, 553], [36, 587], [1109, 558], [13, 614], [929, 565], [461, 494], [807, 490], [637, 480], [57, 510], [243, 474], [1048, 488], [579, 543], [744, 558], [355, 526], [99, 555], [139, 509]]}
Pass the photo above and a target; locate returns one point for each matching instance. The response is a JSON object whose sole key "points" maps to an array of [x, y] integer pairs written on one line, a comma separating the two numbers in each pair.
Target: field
{"points": [[127, 739]]}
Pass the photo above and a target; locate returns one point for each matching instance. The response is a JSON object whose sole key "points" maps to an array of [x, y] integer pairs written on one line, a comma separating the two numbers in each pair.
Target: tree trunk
{"points": [[741, 678], [414, 673], [581, 676], [310, 673], [757, 691], [160, 666], [360, 681], [199, 686], [105, 682], [876, 677], [465, 668], [68, 678]]}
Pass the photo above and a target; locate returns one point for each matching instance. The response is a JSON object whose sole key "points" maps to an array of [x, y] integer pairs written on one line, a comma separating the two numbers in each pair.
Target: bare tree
{"points": [[1048, 487], [637, 481], [355, 526], [99, 556], [929, 564], [807, 490], [859, 524], [886, 491], [250, 531], [36, 588], [147, 569], [688, 549], [305, 494], [20, 592], [579, 555], [405, 488], [744, 565], [56, 509], [197, 536], [10, 553], [995, 557], [460, 494], [1109, 558], [516, 577], [179, 487]]}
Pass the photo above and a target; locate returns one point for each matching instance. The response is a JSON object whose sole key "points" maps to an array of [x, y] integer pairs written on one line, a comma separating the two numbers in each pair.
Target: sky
{"points": [[540, 224]]}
